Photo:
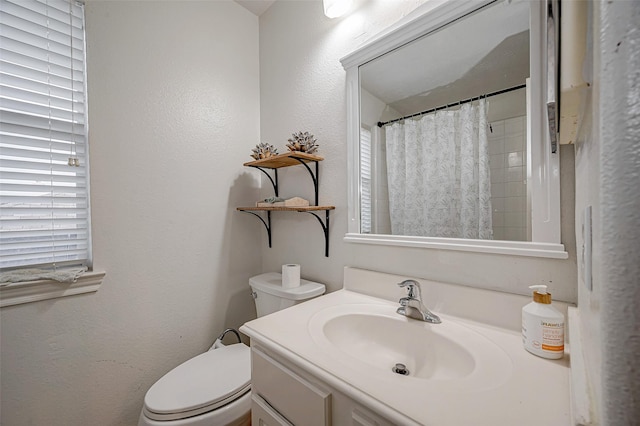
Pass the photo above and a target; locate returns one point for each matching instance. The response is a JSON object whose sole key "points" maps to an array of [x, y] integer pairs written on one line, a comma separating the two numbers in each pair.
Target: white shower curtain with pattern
{"points": [[438, 173]]}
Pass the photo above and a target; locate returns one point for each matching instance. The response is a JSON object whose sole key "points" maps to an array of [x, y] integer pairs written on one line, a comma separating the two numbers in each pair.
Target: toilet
{"points": [[214, 388]]}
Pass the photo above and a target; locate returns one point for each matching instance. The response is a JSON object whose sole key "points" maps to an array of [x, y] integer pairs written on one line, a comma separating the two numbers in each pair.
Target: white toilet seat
{"points": [[201, 384]]}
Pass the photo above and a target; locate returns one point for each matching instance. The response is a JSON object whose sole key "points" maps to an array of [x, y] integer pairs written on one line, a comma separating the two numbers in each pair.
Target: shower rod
{"points": [[499, 92]]}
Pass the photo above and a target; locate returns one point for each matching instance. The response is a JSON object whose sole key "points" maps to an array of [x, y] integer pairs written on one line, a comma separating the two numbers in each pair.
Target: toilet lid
{"points": [[201, 384]]}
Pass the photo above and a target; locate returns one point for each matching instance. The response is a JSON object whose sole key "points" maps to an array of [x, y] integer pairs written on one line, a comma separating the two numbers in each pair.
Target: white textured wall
{"points": [[302, 87], [174, 110], [607, 178], [620, 210]]}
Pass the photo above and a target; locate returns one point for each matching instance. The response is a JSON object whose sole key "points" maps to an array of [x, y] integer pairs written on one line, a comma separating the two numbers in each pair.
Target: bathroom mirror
{"points": [[446, 132]]}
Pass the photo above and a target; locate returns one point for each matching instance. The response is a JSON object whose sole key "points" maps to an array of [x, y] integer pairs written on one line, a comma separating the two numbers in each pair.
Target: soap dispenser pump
{"points": [[542, 326]]}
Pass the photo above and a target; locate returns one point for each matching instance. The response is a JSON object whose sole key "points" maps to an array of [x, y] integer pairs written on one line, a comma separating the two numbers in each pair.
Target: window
{"points": [[365, 181], [44, 173]]}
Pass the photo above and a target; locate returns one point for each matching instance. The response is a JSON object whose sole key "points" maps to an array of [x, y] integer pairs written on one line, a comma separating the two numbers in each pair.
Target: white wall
{"points": [[174, 108], [302, 87], [607, 178], [620, 210], [620, 166]]}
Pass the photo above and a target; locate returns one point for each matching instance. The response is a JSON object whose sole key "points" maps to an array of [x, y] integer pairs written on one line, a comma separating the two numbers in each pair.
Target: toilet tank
{"points": [[270, 296]]}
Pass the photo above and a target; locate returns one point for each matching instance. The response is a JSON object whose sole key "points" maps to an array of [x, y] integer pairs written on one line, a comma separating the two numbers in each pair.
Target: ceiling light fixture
{"points": [[336, 8]]}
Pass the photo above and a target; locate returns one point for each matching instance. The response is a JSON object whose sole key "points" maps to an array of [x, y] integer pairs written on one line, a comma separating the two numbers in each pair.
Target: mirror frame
{"points": [[543, 166]]}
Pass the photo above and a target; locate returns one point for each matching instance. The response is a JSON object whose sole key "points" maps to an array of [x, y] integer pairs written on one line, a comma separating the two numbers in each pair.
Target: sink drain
{"points": [[400, 369]]}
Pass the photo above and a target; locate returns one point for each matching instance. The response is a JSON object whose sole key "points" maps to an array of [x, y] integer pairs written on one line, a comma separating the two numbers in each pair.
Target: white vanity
{"points": [[329, 361]]}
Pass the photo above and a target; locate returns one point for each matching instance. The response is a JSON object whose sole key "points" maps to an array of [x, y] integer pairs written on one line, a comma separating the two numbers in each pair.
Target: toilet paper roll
{"points": [[290, 276]]}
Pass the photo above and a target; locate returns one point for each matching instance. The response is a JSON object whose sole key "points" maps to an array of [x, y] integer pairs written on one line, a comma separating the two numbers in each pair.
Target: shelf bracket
{"points": [[273, 182], [314, 177], [325, 229], [267, 223]]}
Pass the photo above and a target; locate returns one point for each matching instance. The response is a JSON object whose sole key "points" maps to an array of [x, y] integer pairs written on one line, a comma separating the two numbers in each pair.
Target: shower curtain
{"points": [[438, 174]]}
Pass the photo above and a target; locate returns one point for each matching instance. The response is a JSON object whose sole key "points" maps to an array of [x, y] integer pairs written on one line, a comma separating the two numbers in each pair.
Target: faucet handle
{"points": [[413, 287]]}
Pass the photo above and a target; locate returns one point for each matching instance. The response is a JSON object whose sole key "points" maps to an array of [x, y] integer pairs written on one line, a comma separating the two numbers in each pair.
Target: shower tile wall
{"points": [[508, 156]]}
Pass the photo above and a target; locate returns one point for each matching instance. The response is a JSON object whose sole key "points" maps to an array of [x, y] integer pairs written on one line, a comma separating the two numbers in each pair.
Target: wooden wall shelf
{"points": [[286, 209], [292, 158], [288, 159]]}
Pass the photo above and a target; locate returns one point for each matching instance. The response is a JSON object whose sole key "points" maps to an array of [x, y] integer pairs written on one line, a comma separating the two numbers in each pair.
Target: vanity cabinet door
{"points": [[293, 397]]}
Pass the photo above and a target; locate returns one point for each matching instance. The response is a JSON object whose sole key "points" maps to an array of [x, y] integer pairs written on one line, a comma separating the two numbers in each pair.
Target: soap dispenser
{"points": [[543, 326]]}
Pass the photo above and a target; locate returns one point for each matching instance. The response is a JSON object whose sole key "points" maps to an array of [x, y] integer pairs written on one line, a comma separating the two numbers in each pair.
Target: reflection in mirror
{"points": [[443, 131], [458, 66]]}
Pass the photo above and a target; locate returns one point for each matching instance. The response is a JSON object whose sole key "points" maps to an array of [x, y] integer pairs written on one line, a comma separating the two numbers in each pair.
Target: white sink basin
{"points": [[374, 338]]}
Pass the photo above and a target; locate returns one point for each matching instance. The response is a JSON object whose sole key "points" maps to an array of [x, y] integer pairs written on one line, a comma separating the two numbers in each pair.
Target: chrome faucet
{"points": [[412, 306]]}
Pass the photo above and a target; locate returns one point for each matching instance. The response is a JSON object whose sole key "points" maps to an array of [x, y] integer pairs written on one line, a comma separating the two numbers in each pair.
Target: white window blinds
{"points": [[365, 181], [44, 200]]}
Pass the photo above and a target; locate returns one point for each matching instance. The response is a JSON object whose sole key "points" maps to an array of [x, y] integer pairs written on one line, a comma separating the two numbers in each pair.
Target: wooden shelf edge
{"points": [[286, 209], [284, 160]]}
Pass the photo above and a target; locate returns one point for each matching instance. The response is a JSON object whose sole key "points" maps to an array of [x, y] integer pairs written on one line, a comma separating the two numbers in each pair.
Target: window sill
{"points": [[34, 291]]}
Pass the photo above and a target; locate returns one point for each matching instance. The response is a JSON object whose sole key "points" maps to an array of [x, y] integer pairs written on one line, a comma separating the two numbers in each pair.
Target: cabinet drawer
{"points": [[362, 417], [263, 415], [296, 399]]}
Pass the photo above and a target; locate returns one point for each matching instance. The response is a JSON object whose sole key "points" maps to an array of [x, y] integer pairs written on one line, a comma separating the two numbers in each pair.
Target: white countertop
{"points": [[535, 391]]}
